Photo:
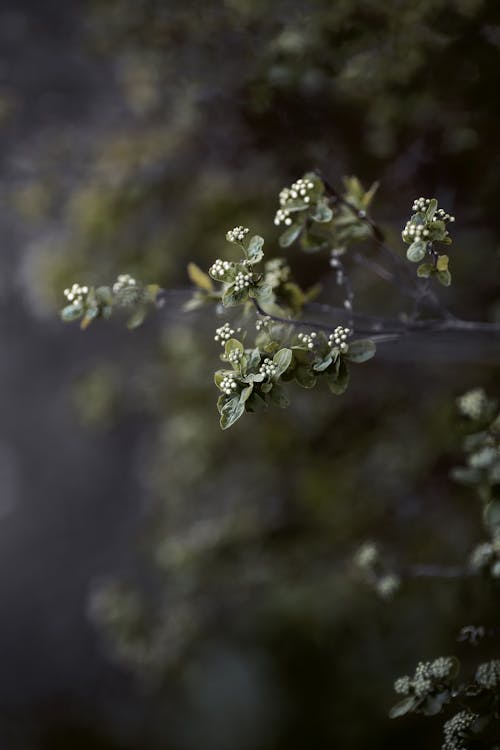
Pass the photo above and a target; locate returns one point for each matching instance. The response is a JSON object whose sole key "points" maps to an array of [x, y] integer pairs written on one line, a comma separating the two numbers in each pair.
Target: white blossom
{"points": [[237, 234], [339, 338], [268, 368], [77, 294], [228, 385]]}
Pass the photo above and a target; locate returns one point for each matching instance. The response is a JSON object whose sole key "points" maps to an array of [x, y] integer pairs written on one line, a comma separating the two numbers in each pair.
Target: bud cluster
{"points": [[77, 294], [237, 234]]}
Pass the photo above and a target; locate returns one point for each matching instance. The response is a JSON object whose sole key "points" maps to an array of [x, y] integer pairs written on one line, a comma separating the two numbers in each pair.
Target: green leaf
{"points": [[282, 360], [361, 350], [322, 213], [425, 270], [465, 475], [437, 231], [279, 397], [104, 295], [290, 235], [246, 393], [304, 376], [254, 251], [71, 313], [255, 403], [137, 318], [442, 263], [199, 277], [455, 669], [90, 315], [231, 411], [492, 516], [231, 298], [338, 381], [434, 703], [431, 209], [262, 293], [403, 707], [323, 363], [233, 345], [253, 358], [444, 278], [416, 251]]}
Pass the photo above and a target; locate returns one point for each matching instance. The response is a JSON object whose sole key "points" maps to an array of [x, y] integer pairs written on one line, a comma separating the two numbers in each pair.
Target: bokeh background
{"points": [[165, 584]]}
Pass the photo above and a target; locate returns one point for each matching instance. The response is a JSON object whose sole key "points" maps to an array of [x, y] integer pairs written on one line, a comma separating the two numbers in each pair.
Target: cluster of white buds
{"points": [[307, 339], [237, 234], [300, 190], [441, 215], [472, 404], [224, 333], [242, 281], [283, 217], [235, 356], [220, 268], [124, 281], [366, 556], [387, 585], [455, 728], [76, 294], [427, 674], [488, 674], [481, 556], [268, 368], [414, 232], [403, 685], [339, 338], [262, 322], [228, 385], [421, 204]]}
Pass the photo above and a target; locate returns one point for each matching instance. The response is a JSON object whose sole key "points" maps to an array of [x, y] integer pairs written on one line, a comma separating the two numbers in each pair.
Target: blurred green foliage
{"points": [[256, 628]]}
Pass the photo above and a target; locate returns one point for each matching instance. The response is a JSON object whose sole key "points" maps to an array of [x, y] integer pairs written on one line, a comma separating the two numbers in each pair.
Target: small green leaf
{"points": [[431, 209], [199, 277], [282, 360], [323, 364], [465, 475], [90, 315], [246, 393], [232, 297], [279, 397], [434, 703], [403, 707], [255, 403], [425, 270], [233, 345], [304, 376], [416, 251], [71, 313], [290, 235], [254, 251], [442, 263], [322, 213], [137, 318], [104, 295], [262, 293], [444, 278], [492, 516], [338, 381], [231, 411], [361, 350]]}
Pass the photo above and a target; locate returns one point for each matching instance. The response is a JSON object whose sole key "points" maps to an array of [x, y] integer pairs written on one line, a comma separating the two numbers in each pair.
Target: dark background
{"points": [[164, 584]]}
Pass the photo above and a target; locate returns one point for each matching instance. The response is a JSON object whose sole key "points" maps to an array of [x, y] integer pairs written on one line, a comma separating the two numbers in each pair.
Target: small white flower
{"points": [[237, 234]]}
